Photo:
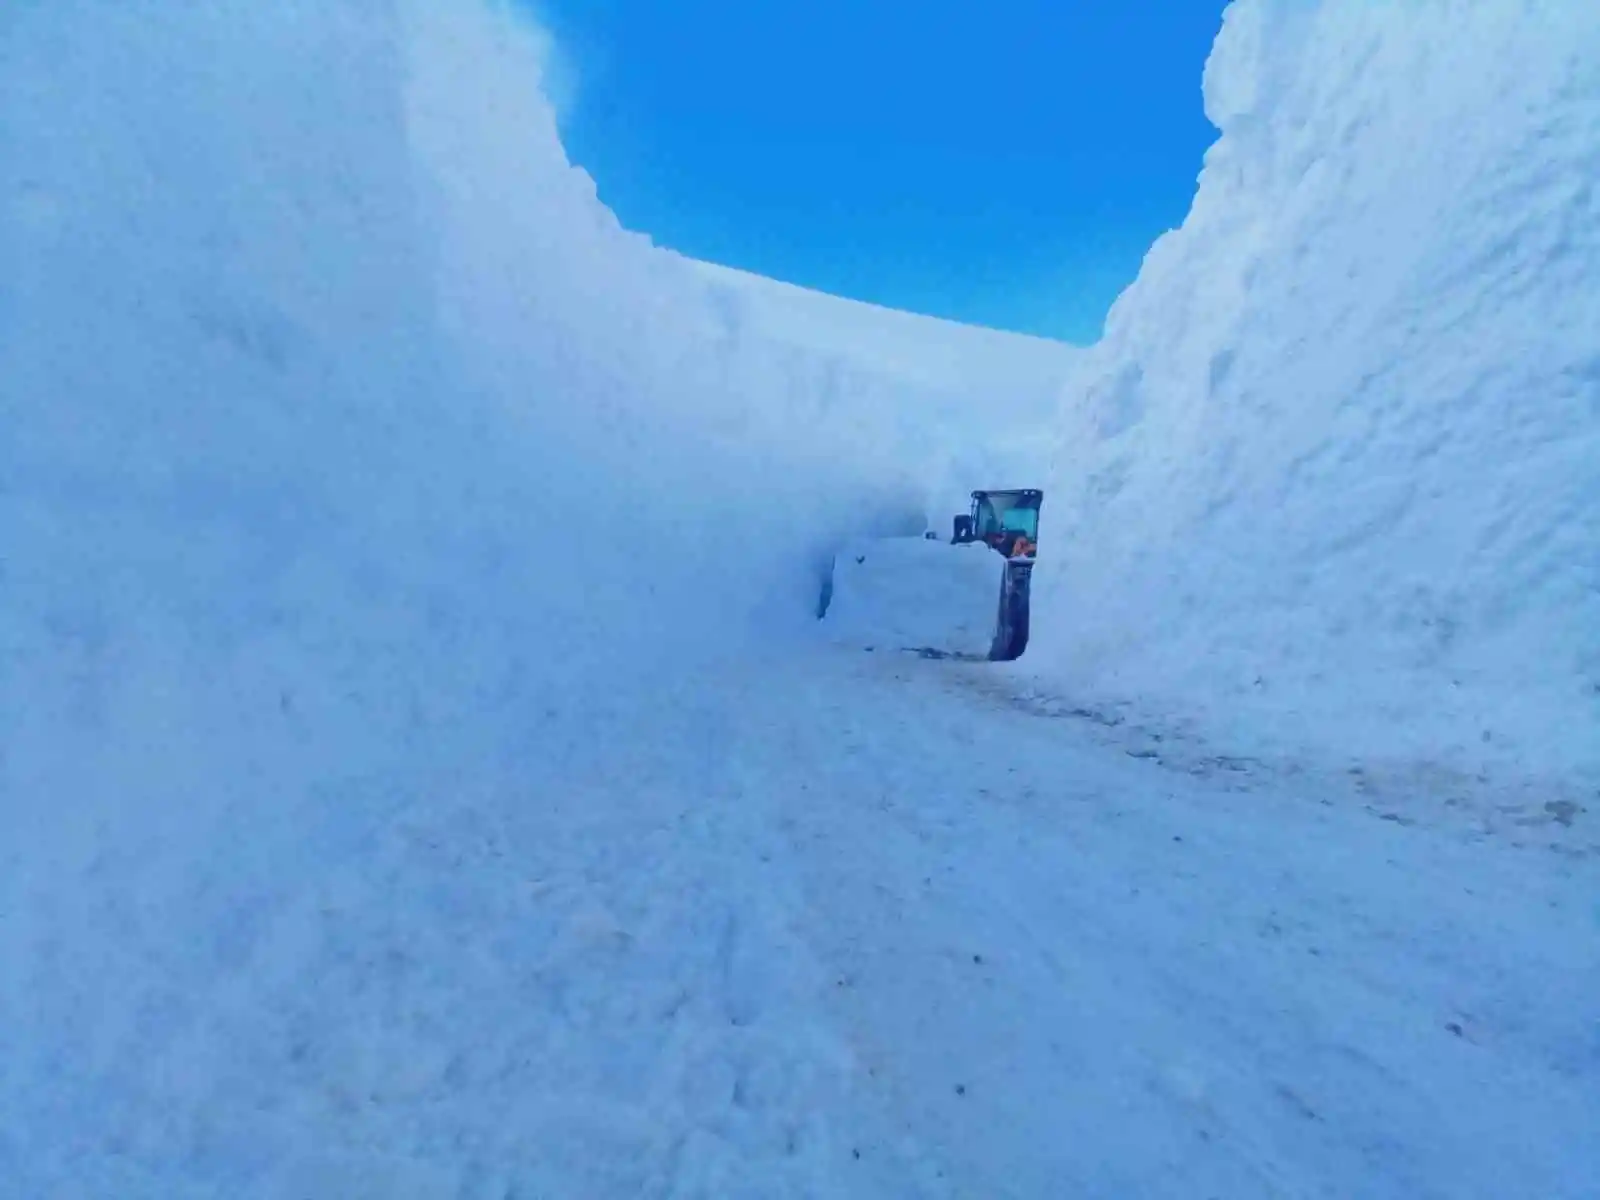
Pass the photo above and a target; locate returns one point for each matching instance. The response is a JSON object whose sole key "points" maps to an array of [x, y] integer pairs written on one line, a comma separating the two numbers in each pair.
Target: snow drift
{"points": [[353, 463], [1333, 475]]}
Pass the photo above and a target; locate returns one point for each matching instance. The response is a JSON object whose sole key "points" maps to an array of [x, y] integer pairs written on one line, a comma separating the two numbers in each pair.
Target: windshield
{"points": [[1011, 514]]}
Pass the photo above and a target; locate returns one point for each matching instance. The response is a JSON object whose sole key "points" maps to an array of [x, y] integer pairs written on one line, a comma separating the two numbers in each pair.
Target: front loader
{"points": [[1007, 521], [940, 601]]}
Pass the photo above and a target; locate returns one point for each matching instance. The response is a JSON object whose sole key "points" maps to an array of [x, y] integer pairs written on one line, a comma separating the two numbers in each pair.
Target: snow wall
{"points": [[337, 408], [341, 420], [1332, 476]]}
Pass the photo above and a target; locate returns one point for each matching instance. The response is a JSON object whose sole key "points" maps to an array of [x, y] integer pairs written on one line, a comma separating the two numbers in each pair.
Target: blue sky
{"points": [[1005, 163]]}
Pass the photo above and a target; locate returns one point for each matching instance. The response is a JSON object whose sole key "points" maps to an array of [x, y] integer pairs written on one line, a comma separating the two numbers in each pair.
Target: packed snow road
{"points": [[1065, 974], [835, 924]]}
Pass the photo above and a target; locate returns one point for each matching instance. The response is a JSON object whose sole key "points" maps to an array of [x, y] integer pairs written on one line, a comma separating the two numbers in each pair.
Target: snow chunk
{"points": [[916, 594]]}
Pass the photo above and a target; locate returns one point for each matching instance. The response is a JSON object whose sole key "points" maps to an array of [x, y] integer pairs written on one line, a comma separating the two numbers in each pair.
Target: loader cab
{"points": [[1006, 520]]}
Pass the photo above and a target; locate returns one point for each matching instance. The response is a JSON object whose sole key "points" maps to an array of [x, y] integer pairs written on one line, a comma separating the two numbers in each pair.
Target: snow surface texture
{"points": [[895, 594], [1332, 477]]}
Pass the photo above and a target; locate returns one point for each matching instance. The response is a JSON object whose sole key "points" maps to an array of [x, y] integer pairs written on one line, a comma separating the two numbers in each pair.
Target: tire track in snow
{"points": [[1179, 986]]}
